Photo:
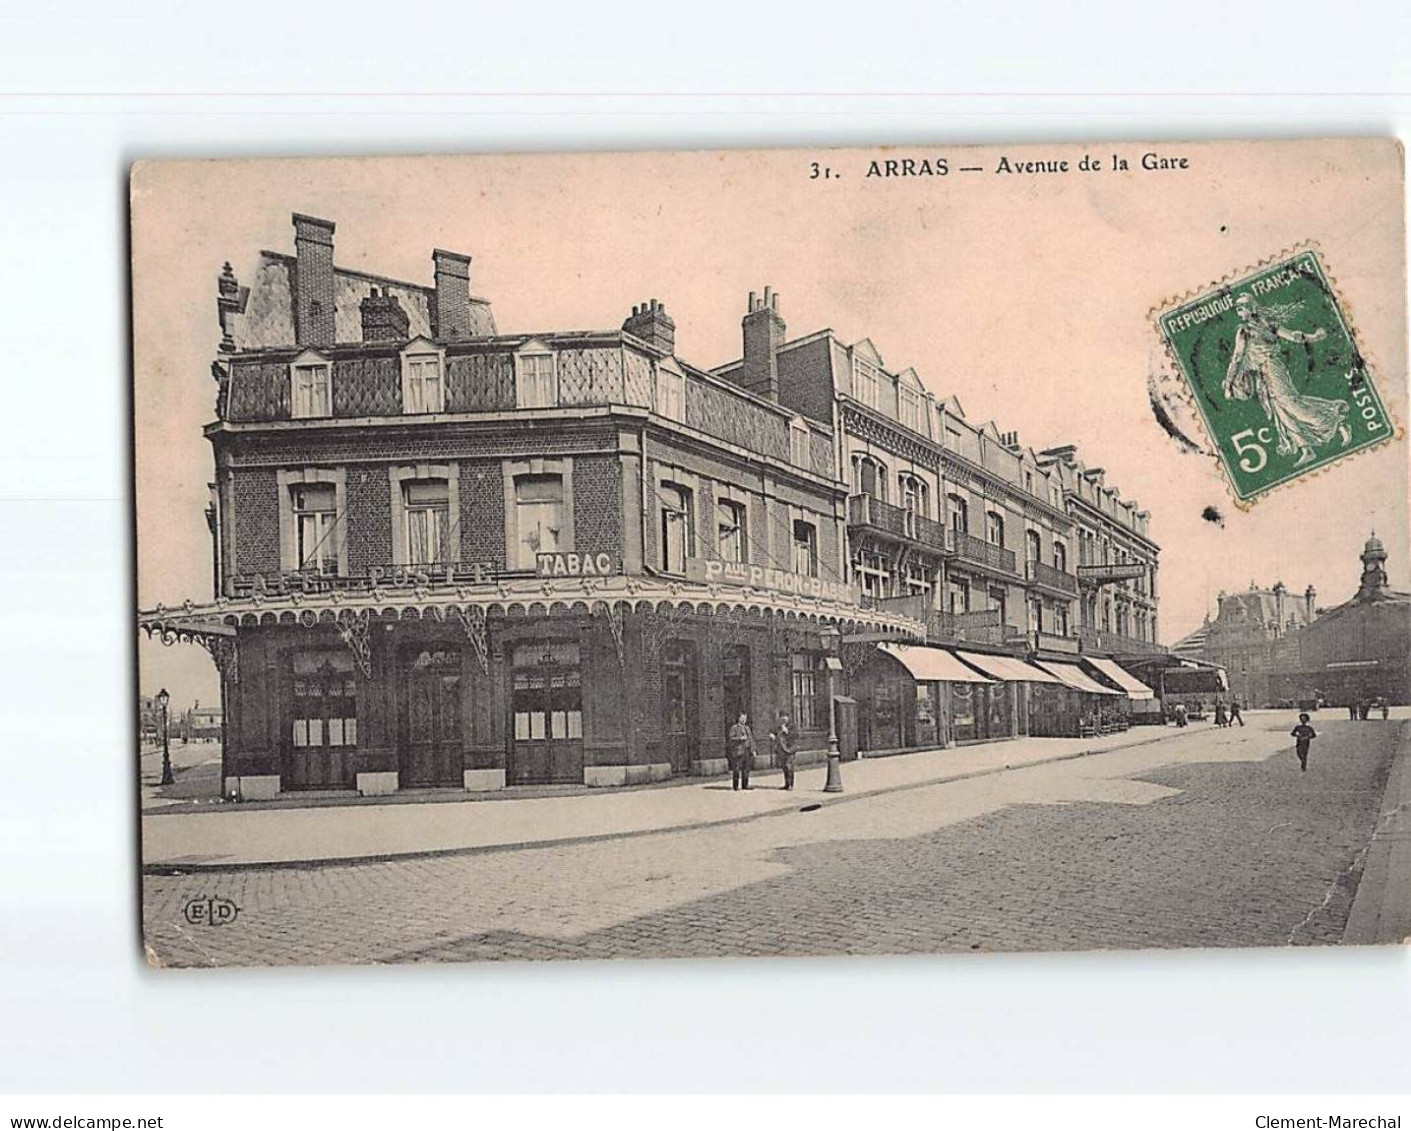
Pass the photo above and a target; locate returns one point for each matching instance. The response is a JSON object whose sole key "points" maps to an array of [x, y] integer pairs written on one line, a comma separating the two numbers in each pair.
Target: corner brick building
{"points": [[450, 557]]}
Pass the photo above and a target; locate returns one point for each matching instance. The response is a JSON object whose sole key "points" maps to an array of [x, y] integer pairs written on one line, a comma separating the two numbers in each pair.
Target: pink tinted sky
{"points": [[1027, 296]]}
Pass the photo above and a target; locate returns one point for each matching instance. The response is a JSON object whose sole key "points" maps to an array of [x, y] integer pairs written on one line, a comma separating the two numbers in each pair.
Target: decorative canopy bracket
{"points": [[355, 630], [614, 619], [474, 624]]}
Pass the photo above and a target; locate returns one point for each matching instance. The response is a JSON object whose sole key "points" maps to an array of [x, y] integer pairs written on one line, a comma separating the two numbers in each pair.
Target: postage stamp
{"points": [[1274, 371]]}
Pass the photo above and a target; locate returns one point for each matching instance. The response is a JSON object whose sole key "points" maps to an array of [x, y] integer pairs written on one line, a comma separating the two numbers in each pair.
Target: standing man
{"points": [[786, 745], [742, 752], [1303, 736], [1235, 715]]}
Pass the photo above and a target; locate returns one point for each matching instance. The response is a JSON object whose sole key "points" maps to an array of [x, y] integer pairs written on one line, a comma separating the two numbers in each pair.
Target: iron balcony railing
{"points": [[977, 551], [984, 626], [1099, 640], [1051, 577], [864, 510], [1054, 642]]}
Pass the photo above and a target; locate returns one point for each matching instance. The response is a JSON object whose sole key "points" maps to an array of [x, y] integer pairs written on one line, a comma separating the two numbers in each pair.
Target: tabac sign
{"points": [[570, 563], [764, 577]]}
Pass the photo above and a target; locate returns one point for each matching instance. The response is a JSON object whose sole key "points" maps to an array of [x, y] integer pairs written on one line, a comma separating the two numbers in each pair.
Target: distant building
{"points": [[1278, 647]]}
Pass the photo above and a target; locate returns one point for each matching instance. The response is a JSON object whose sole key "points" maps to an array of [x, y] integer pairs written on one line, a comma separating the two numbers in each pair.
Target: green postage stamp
{"points": [[1276, 374]]}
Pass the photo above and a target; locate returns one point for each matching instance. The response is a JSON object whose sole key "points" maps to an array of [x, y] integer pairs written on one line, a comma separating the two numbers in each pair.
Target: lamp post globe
{"points": [[163, 699]]}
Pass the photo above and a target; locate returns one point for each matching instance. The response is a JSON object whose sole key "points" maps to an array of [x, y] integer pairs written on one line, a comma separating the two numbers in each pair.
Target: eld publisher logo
{"points": [[215, 911]]}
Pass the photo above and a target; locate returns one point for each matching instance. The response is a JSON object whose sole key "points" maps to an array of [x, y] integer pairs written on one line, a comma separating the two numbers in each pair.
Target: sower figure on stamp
{"points": [[1303, 735], [742, 752], [1257, 372], [786, 745]]}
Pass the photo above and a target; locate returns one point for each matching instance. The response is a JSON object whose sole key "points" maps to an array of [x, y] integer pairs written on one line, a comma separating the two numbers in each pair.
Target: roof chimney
{"points": [[764, 334], [313, 281], [384, 320], [452, 305], [654, 326], [1310, 607]]}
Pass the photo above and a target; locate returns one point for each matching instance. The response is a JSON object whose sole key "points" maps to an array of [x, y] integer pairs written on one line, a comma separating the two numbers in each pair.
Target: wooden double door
{"points": [[546, 713], [680, 696], [430, 739]]}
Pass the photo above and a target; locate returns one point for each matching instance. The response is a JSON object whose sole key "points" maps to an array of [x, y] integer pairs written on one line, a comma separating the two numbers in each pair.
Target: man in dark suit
{"points": [[742, 752]]}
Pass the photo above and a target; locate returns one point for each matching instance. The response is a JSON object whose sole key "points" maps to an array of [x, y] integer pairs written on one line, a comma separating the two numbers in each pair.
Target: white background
{"points": [[86, 88]]}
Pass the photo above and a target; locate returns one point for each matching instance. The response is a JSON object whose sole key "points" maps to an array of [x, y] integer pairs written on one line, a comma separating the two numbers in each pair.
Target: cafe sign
{"points": [[376, 577], [714, 572]]}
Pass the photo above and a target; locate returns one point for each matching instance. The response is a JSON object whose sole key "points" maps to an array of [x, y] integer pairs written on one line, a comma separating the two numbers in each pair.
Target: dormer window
{"points": [[671, 393], [909, 408], [311, 387], [866, 380], [423, 378], [536, 378], [799, 443]]}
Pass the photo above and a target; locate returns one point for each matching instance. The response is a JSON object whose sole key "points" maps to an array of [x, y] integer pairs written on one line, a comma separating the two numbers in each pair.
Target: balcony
{"points": [[1099, 640], [1053, 579], [981, 627], [1053, 642], [898, 522], [976, 551]]}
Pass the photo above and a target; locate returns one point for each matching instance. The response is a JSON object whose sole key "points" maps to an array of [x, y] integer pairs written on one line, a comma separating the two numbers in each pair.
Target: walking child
{"points": [[1235, 716], [1303, 735]]}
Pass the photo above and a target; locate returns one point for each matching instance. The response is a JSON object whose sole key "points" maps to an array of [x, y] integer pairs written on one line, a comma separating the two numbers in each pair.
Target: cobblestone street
{"points": [[1205, 838]]}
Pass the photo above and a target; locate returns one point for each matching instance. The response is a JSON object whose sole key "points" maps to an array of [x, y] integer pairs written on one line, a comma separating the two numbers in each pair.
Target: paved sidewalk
{"points": [[178, 841], [1381, 911]]}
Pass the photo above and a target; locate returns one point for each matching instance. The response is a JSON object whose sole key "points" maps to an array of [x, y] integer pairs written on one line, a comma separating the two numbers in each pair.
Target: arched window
{"points": [[1033, 545], [959, 514], [994, 528], [870, 477], [1060, 556], [914, 495]]}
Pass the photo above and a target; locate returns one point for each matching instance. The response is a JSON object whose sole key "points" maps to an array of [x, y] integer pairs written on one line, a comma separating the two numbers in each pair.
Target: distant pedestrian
{"points": [[1303, 735], [1179, 711], [1235, 716], [742, 753], [1363, 707], [1385, 706], [786, 745], [1221, 719], [1352, 709]]}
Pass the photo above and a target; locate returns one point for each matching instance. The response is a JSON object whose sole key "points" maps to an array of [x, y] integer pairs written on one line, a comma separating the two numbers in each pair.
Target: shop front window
{"points": [[809, 708], [325, 703]]}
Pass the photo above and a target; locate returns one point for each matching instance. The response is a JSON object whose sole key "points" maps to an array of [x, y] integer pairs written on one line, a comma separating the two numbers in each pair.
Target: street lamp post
{"points": [[163, 698], [831, 636]]}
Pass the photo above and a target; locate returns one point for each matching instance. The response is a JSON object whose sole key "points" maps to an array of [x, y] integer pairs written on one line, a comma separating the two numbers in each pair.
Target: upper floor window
{"points": [[914, 495], [953, 438], [539, 517], [677, 531], [312, 387], [423, 388], [536, 382], [671, 394], [909, 408], [427, 507], [730, 530], [805, 548], [1033, 545], [1060, 556], [994, 528], [869, 477], [867, 382], [315, 520], [959, 514], [958, 596], [1028, 481], [799, 443]]}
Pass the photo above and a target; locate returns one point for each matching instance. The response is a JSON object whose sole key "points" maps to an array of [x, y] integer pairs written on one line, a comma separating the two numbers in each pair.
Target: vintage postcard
{"points": [[772, 553]]}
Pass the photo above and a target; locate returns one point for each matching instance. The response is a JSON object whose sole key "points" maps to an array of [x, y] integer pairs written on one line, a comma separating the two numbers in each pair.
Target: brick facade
{"points": [[256, 494]]}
